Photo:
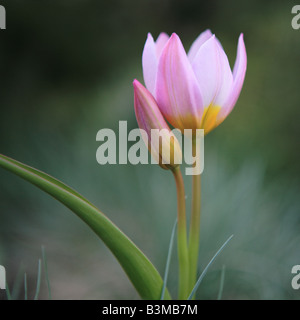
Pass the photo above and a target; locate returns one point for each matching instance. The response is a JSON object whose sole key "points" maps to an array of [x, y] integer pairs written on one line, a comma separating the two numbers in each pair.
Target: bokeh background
{"points": [[66, 71]]}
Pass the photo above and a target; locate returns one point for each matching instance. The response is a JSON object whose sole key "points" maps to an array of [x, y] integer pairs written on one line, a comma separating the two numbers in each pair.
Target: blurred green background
{"points": [[66, 71]]}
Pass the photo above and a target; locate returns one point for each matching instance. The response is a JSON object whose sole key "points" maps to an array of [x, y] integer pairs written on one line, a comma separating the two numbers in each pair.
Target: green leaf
{"points": [[206, 268], [38, 281], [168, 261], [137, 266], [46, 271], [222, 280], [8, 295], [25, 286]]}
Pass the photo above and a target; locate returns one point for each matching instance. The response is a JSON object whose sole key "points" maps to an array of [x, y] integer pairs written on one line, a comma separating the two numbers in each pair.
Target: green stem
{"points": [[182, 237], [194, 228]]}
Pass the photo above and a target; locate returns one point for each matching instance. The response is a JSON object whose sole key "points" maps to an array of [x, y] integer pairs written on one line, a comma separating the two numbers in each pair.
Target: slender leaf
{"points": [[222, 280], [46, 271], [137, 266], [8, 295], [168, 261], [18, 283], [38, 281], [206, 268], [25, 286]]}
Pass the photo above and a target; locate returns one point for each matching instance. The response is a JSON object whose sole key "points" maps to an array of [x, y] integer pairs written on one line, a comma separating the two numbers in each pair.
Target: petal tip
{"points": [[241, 39], [135, 82], [174, 36], [163, 34], [137, 86]]}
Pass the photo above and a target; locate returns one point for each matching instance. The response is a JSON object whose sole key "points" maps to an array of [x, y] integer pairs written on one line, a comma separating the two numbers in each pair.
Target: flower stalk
{"points": [[194, 231], [183, 256]]}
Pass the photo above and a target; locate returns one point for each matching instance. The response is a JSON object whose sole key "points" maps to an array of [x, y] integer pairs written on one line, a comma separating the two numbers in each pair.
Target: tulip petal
{"points": [[239, 72], [177, 91], [160, 43], [159, 139], [147, 112], [149, 62], [213, 72], [148, 116], [203, 37], [226, 78]]}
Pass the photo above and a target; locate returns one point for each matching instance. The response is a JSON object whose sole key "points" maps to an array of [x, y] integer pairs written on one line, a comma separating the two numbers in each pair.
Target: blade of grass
{"points": [[25, 286], [8, 295], [222, 280], [168, 261], [206, 268], [13, 294], [38, 282], [46, 271], [18, 283]]}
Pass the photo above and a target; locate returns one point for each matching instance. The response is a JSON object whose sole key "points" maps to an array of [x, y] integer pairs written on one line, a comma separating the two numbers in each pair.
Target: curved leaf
{"points": [[138, 268]]}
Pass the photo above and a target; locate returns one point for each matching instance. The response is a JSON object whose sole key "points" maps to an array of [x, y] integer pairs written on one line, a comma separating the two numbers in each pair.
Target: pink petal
{"points": [[239, 72], [149, 117], [203, 37], [213, 72], [160, 43], [149, 61], [177, 91], [226, 78], [147, 112]]}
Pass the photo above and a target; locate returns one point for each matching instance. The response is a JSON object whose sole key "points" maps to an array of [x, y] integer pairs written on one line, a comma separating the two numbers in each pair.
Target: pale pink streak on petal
{"points": [[160, 43], [177, 91], [239, 72], [226, 78], [203, 37], [149, 62], [207, 68], [213, 72]]}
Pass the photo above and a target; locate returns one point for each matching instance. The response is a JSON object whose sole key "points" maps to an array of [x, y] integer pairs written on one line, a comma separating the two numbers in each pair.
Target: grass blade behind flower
{"points": [[8, 295], [38, 282], [46, 271], [206, 268], [221, 283], [25, 286], [168, 261]]}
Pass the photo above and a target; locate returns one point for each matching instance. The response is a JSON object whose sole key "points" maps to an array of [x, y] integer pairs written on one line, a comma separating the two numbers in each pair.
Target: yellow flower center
{"points": [[209, 118]]}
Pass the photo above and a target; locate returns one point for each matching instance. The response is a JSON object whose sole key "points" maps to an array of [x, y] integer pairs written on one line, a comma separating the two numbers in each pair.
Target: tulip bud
{"points": [[158, 137]]}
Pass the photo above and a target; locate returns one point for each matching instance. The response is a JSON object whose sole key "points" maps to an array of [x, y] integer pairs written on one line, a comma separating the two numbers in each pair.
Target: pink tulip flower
{"points": [[197, 90]]}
